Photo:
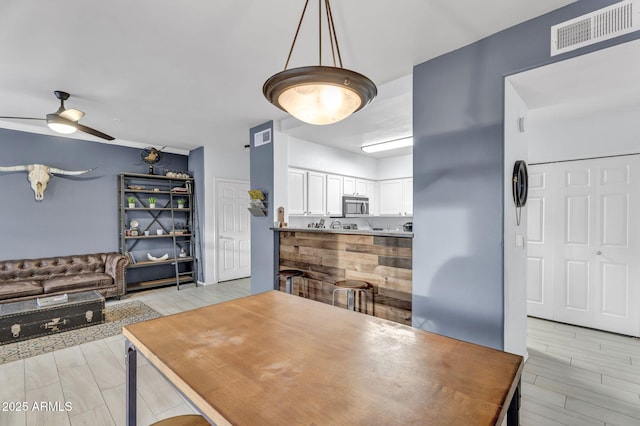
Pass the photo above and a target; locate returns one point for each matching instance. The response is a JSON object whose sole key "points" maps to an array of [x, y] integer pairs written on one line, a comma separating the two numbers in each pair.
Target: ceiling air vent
{"points": [[612, 21]]}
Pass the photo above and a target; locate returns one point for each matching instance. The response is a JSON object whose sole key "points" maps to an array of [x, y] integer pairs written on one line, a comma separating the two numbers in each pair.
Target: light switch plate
{"points": [[519, 240]]}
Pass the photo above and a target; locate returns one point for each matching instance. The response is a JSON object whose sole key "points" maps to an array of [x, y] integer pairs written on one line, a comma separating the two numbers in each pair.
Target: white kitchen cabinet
{"points": [[334, 195], [354, 186], [348, 185], [307, 193], [372, 193], [361, 187], [316, 193], [407, 197], [297, 192], [396, 197]]}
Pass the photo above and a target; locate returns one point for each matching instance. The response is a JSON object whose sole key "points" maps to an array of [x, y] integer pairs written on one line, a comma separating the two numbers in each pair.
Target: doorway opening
{"points": [[584, 107]]}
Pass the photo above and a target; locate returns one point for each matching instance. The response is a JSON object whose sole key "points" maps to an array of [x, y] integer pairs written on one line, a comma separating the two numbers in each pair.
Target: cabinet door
{"points": [[373, 198], [361, 187], [391, 200], [334, 195], [407, 197], [297, 192], [316, 193], [348, 185]]}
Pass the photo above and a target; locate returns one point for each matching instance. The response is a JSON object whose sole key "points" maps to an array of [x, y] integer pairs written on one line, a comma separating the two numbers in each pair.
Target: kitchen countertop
{"points": [[399, 234]]}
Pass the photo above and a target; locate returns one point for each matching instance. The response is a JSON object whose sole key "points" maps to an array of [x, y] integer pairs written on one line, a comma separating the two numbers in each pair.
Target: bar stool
{"points": [[352, 287], [289, 275], [184, 420]]}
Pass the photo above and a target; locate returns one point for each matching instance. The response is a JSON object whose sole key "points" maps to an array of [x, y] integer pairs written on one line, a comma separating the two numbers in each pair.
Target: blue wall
{"points": [[78, 214], [263, 247], [458, 103], [196, 165]]}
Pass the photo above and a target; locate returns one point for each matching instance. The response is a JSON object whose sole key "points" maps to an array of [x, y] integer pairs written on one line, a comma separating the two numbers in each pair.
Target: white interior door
{"points": [[234, 230], [540, 244], [596, 248]]}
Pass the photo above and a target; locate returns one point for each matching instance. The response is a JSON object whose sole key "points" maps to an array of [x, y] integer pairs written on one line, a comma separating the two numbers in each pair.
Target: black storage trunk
{"points": [[25, 320]]}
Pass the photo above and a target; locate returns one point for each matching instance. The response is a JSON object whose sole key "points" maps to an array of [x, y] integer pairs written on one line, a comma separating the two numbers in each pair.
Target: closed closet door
{"points": [[234, 230], [540, 244], [591, 243]]}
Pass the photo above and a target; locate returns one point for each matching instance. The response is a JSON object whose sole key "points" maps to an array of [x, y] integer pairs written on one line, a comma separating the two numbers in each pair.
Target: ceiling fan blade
{"points": [[72, 114], [24, 118], [94, 132]]}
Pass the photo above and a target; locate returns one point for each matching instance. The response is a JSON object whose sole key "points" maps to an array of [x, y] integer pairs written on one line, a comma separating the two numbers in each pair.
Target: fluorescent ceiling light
{"points": [[386, 146]]}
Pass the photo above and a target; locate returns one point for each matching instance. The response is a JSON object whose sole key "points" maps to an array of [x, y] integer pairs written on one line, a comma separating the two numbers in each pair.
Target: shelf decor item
{"points": [[151, 156], [181, 202], [152, 202], [132, 202], [257, 203]]}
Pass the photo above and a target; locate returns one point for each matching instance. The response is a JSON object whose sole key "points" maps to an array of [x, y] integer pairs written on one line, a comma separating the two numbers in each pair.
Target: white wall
{"points": [[579, 130], [280, 173], [400, 166], [515, 257], [220, 162], [312, 156]]}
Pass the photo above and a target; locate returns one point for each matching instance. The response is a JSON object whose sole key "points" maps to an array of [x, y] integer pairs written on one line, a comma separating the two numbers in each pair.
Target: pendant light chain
{"points": [[320, 32], [286, 65], [332, 35], [333, 38]]}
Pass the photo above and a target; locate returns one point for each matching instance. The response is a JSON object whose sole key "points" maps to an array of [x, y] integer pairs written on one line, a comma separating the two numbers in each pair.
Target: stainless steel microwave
{"points": [[355, 206]]}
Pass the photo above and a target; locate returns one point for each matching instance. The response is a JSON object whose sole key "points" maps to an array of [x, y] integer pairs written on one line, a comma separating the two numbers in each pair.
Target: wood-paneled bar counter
{"points": [[383, 259]]}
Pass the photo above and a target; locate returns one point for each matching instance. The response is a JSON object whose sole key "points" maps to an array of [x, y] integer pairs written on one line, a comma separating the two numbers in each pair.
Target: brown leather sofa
{"points": [[30, 278]]}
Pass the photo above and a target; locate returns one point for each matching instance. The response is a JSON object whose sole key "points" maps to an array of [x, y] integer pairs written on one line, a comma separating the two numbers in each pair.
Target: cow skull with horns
{"points": [[40, 174]]}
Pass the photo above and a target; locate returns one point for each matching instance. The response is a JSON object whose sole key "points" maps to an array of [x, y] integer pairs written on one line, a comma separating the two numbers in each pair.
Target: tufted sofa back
{"points": [[44, 268]]}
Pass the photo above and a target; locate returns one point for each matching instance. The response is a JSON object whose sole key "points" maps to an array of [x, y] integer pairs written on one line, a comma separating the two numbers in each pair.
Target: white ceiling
{"points": [[190, 73]]}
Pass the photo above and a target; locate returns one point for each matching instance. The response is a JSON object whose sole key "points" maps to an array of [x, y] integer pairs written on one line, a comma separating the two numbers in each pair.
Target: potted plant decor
{"points": [[181, 202], [132, 202], [152, 202]]}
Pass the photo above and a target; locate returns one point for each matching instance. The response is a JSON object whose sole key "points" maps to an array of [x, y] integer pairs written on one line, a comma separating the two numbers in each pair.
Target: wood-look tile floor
{"points": [[579, 376], [91, 377], [574, 376]]}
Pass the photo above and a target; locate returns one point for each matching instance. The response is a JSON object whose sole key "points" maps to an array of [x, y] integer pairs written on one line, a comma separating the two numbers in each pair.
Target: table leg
{"points": [[513, 413], [131, 372]]}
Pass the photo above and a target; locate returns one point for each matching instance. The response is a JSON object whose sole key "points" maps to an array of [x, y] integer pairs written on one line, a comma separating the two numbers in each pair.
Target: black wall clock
{"points": [[520, 182]]}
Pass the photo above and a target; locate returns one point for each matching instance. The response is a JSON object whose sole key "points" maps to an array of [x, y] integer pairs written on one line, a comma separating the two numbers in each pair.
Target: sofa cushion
{"points": [[15, 289], [73, 282]]}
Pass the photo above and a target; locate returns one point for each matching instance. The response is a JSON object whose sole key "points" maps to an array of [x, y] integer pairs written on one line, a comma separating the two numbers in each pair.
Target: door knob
{"points": [[598, 252]]}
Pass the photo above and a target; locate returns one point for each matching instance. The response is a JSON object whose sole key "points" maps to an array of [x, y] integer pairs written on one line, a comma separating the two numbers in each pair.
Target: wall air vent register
{"points": [[609, 22]]}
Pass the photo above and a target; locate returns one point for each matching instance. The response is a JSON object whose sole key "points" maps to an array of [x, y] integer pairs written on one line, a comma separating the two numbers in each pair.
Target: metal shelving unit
{"points": [[148, 268]]}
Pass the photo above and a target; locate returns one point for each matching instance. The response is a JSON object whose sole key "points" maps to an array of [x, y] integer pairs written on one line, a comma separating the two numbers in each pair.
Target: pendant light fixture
{"points": [[320, 94]]}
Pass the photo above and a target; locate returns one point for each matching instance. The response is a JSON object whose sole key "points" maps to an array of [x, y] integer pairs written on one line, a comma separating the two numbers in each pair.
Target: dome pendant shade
{"points": [[319, 94]]}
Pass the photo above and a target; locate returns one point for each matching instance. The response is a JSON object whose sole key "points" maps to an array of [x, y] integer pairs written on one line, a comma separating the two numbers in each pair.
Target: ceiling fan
{"points": [[66, 120]]}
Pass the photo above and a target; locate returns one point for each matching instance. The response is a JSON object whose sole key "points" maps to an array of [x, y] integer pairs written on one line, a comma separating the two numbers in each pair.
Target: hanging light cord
{"points": [[332, 34]]}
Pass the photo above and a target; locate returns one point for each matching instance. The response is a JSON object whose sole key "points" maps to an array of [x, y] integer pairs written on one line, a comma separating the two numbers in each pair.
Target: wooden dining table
{"points": [[275, 359]]}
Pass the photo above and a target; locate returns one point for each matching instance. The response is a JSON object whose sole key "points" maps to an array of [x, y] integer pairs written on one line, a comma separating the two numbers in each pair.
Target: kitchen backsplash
{"points": [[386, 223]]}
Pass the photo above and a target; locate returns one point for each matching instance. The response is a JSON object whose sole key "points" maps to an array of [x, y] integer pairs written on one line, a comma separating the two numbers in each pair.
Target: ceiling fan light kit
{"points": [[65, 121], [320, 94], [59, 124]]}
